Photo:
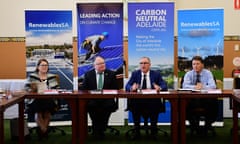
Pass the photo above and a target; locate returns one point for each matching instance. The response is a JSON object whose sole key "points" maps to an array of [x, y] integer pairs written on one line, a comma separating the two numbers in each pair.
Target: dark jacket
{"points": [[90, 83], [147, 104]]}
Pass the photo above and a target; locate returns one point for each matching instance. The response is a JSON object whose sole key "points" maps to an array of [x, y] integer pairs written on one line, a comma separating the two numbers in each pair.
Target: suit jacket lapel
{"points": [[139, 77], [151, 78], [94, 82]]}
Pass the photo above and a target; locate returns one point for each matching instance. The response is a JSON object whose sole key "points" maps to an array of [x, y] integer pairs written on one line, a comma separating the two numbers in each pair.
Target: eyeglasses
{"points": [[143, 63], [100, 63], [43, 65]]}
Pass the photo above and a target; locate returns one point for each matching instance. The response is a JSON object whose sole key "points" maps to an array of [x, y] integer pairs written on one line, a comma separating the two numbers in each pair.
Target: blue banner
{"points": [[201, 32], [94, 21], [49, 36], [151, 34]]}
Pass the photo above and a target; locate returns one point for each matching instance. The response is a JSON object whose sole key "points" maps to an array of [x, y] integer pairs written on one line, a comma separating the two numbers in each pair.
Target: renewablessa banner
{"points": [[201, 32], [151, 34], [49, 36]]}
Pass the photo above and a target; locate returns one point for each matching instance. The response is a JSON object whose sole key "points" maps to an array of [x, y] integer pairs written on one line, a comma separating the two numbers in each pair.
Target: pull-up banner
{"points": [[100, 32], [49, 36], [151, 34], [201, 32]]}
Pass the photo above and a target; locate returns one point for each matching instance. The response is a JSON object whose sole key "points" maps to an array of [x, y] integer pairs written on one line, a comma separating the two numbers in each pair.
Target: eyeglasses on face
{"points": [[43, 65], [143, 63], [100, 63]]}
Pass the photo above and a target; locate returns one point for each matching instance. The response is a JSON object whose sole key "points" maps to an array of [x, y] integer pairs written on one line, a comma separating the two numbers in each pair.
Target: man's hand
{"points": [[134, 87], [157, 87], [198, 86]]}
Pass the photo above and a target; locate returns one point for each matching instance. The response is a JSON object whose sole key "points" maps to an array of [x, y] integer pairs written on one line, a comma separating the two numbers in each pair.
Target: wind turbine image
{"points": [[183, 55], [198, 50], [218, 45]]}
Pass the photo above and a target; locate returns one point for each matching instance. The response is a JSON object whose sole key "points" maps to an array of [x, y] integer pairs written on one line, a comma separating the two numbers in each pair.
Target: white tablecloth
{"points": [[12, 85]]}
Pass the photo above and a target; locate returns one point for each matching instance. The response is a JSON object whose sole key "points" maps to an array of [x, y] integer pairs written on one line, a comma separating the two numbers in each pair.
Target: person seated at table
{"points": [[99, 110], [200, 78], [145, 78], [42, 108]]}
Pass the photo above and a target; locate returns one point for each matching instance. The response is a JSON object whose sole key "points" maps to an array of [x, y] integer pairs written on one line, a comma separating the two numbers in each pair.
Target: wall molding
{"points": [[22, 39]]}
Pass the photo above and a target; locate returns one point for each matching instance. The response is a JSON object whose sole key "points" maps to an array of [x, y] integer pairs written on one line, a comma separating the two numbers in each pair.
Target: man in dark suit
{"points": [[100, 109], [145, 79]]}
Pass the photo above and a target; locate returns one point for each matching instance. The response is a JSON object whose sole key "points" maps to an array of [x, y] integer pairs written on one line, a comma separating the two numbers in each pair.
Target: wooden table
{"points": [[184, 96], [85, 95], [77, 102], [4, 104]]}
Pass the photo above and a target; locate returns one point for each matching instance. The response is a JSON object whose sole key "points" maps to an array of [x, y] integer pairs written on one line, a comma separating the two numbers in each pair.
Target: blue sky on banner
{"points": [[200, 32], [48, 27], [151, 32]]}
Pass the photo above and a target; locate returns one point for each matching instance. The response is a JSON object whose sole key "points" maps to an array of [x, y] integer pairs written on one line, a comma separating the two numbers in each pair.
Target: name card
{"points": [[50, 91], [110, 91], [149, 91], [214, 91]]}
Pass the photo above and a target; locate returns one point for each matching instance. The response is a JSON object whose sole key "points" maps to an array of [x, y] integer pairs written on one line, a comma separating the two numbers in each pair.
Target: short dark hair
{"points": [[198, 58]]}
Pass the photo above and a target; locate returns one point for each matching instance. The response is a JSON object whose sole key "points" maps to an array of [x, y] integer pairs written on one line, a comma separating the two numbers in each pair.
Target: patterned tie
{"points": [[198, 79], [144, 84], [100, 82]]}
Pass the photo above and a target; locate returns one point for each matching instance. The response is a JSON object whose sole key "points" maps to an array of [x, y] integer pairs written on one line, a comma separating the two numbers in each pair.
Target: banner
{"points": [[200, 32], [100, 33], [49, 36], [97, 20], [151, 34]]}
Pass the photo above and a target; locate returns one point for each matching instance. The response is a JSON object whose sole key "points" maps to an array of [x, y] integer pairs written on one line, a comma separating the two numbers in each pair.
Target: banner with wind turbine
{"points": [[201, 32]]}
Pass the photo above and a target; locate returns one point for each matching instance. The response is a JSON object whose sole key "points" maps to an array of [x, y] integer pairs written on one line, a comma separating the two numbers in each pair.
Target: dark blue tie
{"points": [[198, 79]]}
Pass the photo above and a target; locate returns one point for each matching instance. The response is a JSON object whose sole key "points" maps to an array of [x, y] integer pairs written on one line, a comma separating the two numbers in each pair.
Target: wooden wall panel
{"points": [[13, 59], [229, 54]]}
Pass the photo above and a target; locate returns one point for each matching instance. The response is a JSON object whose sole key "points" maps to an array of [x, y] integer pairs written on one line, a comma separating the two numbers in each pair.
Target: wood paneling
{"points": [[13, 59]]}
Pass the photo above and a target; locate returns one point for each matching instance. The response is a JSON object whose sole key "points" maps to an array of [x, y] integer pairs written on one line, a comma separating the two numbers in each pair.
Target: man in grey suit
{"points": [[100, 109]]}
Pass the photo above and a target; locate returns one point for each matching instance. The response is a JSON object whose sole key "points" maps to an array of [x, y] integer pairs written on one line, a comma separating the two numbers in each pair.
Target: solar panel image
{"points": [[113, 56]]}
